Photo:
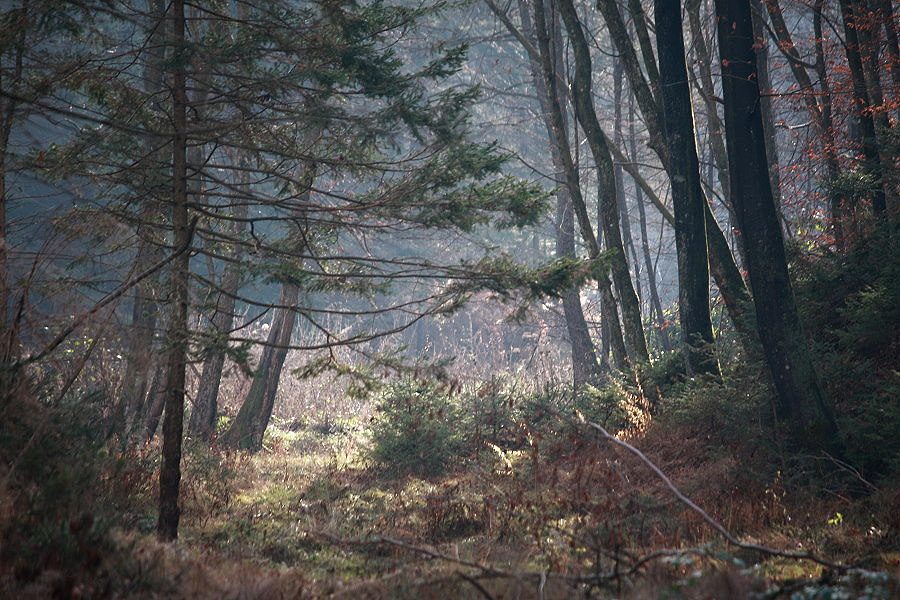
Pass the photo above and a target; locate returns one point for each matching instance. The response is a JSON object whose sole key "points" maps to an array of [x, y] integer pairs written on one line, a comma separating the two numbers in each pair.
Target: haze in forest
{"points": [[541, 299]]}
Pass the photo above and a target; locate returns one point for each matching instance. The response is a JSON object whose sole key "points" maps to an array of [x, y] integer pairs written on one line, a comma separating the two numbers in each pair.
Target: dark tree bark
{"points": [[801, 398], [247, 430], [689, 205], [722, 265], [177, 339], [863, 104]]}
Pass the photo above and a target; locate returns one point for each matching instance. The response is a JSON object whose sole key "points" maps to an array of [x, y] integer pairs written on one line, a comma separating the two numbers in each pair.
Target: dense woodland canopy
{"points": [[440, 299]]}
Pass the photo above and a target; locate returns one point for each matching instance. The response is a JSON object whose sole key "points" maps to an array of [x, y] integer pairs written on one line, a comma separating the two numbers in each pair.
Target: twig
{"points": [[706, 517], [476, 585]]}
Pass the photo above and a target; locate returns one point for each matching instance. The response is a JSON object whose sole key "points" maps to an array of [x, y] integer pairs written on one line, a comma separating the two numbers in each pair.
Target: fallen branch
{"points": [[729, 537]]}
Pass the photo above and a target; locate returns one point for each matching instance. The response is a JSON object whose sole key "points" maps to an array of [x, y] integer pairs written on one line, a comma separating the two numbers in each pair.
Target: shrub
{"points": [[417, 429]]}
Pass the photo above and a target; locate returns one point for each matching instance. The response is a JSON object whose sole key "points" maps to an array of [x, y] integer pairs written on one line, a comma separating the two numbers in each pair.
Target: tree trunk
{"points": [[689, 205], [560, 141], [662, 330], [247, 430], [765, 88], [721, 261], [624, 218], [585, 368], [130, 406], [8, 105], [632, 324], [863, 105], [156, 401], [801, 398], [177, 339]]}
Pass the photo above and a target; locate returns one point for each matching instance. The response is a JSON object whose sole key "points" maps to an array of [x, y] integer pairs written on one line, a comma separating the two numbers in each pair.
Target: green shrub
{"points": [[417, 429]]}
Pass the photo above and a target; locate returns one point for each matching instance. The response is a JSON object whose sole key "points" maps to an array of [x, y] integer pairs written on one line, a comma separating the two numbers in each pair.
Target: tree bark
{"points": [[722, 265], [247, 430], [766, 105], [177, 339], [8, 105], [585, 367], [863, 105], [662, 330], [684, 174], [129, 411], [632, 324], [801, 398], [561, 141]]}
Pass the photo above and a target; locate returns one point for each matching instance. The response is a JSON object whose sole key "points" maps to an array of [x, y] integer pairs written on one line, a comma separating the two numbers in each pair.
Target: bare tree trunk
{"points": [[766, 105], [722, 265], [863, 103], [177, 339], [684, 172], [801, 398], [247, 430], [662, 331], [624, 219], [8, 105], [632, 324], [128, 412], [560, 140], [585, 368]]}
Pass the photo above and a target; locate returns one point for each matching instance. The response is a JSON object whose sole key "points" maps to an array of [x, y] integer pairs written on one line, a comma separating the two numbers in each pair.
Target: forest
{"points": [[536, 299]]}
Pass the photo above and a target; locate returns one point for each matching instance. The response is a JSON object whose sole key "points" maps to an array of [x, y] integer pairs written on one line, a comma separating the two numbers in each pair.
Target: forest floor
{"points": [[309, 517]]}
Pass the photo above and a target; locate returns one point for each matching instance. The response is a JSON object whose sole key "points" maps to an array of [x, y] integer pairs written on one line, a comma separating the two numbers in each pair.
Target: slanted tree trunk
{"points": [[559, 137], [632, 324], [801, 399], [247, 430], [585, 368], [689, 205], [177, 338]]}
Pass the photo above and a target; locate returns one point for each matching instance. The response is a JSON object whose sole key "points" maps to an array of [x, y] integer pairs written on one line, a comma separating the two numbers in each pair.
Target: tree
{"points": [[722, 265], [801, 399], [585, 366], [687, 198], [632, 323]]}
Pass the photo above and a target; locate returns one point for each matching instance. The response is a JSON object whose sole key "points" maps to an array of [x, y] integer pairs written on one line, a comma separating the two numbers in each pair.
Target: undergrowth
{"points": [[489, 489]]}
